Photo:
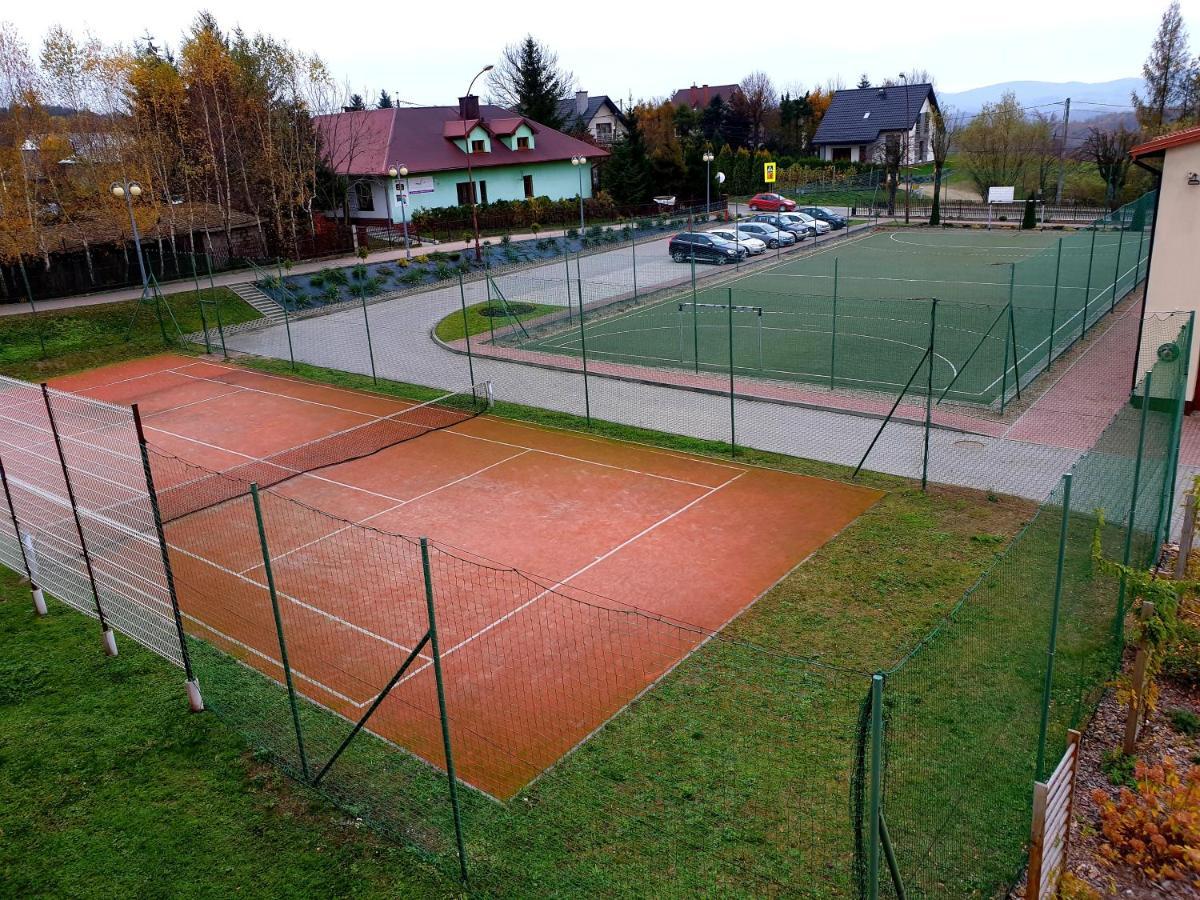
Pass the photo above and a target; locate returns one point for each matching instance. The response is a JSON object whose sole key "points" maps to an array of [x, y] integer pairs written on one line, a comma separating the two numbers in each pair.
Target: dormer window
{"points": [[478, 146], [522, 143]]}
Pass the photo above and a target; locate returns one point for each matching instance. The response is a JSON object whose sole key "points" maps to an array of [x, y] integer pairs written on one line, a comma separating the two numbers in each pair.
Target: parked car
{"points": [[815, 226], [704, 247], [768, 234], [752, 244], [824, 214], [783, 223], [771, 203]]}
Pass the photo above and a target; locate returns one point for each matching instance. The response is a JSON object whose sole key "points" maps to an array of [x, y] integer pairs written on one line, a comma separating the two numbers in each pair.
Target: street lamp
{"points": [[907, 150], [708, 158], [128, 190], [580, 162], [470, 178], [403, 173]]}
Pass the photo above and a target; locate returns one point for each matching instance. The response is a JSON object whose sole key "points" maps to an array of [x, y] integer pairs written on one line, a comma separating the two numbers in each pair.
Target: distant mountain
{"points": [[1035, 93]]}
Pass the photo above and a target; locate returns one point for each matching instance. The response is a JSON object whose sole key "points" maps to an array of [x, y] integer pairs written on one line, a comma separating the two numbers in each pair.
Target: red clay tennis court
{"points": [[534, 663]]}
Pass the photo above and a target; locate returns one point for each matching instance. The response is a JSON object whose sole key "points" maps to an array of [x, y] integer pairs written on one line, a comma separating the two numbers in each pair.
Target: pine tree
{"points": [[1166, 71], [863, 81], [626, 174], [530, 81], [356, 103], [385, 100]]}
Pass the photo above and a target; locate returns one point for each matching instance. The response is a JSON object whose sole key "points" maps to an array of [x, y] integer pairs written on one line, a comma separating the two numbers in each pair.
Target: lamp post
{"points": [[708, 158], [579, 162], [907, 150], [403, 173], [470, 177], [128, 190]]}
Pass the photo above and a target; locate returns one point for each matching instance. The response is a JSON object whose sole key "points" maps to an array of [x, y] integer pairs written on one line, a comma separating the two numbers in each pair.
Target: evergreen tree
{"points": [[1167, 72], [356, 103], [863, 81], [712, 121], [530, 81], [626, 174], [385, 100]]}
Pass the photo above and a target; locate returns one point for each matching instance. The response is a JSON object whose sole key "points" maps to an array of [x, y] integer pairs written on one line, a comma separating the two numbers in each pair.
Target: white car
{"points": [[815, 226], [752, 244]]}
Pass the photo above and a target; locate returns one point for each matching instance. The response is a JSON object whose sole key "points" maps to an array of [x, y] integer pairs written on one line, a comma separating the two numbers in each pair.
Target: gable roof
{"points": [[367, 142], [858, 116], [566, 110], [699, 97], [1162, 144]]}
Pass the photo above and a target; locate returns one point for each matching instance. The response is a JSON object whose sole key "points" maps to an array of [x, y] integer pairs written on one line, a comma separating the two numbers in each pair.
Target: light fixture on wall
{"points": [[1193, 178]]}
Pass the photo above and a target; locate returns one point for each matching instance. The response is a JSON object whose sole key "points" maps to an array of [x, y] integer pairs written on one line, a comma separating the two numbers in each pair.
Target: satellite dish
{"points": [[720, 178]]}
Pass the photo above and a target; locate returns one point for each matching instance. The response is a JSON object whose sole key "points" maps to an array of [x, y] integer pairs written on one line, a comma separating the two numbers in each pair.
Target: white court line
{"points": [[563, 582], [170, 409]]}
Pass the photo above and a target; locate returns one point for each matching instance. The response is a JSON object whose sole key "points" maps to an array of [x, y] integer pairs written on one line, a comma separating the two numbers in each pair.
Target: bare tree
{"points": [[755, 100], [942, 139], [1109, 150]]}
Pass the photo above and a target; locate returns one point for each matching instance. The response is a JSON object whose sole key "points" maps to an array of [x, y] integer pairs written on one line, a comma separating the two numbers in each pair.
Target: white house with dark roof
{"points": [[859, 121], [599, 116]]}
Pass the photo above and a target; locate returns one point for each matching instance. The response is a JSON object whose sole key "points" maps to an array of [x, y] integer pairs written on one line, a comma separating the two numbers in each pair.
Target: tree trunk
{"points": [[935, 211]]}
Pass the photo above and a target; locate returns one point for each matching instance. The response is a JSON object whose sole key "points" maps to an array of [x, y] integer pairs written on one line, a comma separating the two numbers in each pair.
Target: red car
{"points": [[771, 203]]}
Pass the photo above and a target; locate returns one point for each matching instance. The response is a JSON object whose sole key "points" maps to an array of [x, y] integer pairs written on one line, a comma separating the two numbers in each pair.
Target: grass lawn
{"points": [[480, 322], [112, 789], [88, 336]]}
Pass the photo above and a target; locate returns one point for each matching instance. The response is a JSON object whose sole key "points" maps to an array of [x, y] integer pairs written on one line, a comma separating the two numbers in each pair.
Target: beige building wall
{"points": [[1174, 282]]}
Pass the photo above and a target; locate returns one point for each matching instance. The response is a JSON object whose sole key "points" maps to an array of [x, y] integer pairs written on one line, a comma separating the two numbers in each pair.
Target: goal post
{"points": [[695, 310]]}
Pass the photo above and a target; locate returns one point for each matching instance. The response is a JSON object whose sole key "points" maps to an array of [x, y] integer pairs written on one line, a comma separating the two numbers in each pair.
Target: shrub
{"points": [[421, 260], [317, 280], [506, 239], [384, 271], [1184, 720], [463, 266], [359, 272], [442, 271], [411, 277], [454, 257], [1118, 766], [572, 233], [534, 227], [402, 263], [358, 290], [331, 294], [335, 276], [363, 252], [1156, 826], [437, 256]]}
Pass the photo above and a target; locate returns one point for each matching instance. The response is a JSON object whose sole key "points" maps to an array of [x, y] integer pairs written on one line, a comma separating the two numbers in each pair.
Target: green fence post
{"points": [[633, 250], [1127, 553], [732, 421], [1054, 303], [1052, 644], [1117, 269], [462, 300], [441, 695], [929, 393], [587, 400], [1087, 291], [876, 800], [287, 324], [204, 325], [1012, 331], [487, 309], [567, 263], [695, 315], [283, 654], [1137, 269], [370, 347], [1004, 374], [220, 329], [833, 329], [1162, 531]]}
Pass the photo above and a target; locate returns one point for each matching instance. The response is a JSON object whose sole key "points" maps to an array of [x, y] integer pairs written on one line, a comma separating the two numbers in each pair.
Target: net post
{"points": [[447, 747], [929, 393], [283, 654], [287, 324], [1054, 304], [567, 263], [1052, 643], [1087, 291], [1117, 267], [732, 419], [1137, 269], [39, 599], [587, 400], [462, 302], [876, 800], [106, 633], [370, 346], [833, 329], [633, 251], [203, 320], [1127, 552], [195, 698]]}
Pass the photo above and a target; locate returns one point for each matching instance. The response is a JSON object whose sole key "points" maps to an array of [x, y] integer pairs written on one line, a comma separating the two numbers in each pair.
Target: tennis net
{"points": [[182, 496]]}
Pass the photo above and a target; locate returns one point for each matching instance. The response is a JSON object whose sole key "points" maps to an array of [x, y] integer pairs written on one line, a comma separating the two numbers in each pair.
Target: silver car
{"points": [[768, 234], [815, 226], [752, 245]]}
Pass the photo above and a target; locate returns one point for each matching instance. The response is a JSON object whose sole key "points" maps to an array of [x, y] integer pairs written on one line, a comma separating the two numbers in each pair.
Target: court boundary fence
{"points": [[472, 792]]}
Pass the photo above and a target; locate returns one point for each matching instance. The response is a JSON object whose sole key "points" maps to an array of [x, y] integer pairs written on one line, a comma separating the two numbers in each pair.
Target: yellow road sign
{"points": [[769, 172]]}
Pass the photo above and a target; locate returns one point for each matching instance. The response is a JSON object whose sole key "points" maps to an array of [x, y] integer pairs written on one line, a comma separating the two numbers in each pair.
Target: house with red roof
{"points": [[511, 157]]}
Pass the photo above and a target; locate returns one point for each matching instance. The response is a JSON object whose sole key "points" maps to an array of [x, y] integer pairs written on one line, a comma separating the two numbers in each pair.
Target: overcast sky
{"points": [[426, 52]]}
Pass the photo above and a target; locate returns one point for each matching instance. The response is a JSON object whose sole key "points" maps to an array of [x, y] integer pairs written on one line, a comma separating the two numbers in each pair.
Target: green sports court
{"points": [[861, 312]]}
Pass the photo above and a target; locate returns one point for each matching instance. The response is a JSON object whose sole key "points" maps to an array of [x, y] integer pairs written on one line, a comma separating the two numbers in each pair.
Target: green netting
{"points": [[964, 709]]}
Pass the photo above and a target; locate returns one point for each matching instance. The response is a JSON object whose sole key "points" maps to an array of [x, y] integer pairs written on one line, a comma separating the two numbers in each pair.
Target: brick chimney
{"points": [[468, 107], [581, 103]]}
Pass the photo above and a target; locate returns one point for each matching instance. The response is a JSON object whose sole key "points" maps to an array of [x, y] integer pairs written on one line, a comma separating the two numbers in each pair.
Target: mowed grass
{"points": [[479, 321], [43, 345]]}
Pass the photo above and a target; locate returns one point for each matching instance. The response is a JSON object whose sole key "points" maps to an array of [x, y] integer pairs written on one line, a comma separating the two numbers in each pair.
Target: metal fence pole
{"points": [[1127, 552], [195, 699], [732, 420], [1054, 303], [39, 599], [587, 400], [876, 800], [441, 694], [462, 300], [1052, 644], [833, 328], [1117, 268], [287, 324], [567, 263], [1087, 291], [1137, 270], [1162, 530], [204, 325], [487, 309], [106, 632], [283, 654], [220, 329], [370, 346], [929, 393], [633, 250]]}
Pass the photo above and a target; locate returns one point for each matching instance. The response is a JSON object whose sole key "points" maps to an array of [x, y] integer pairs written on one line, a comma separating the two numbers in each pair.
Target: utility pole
{"points": [[1062, 150]]}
